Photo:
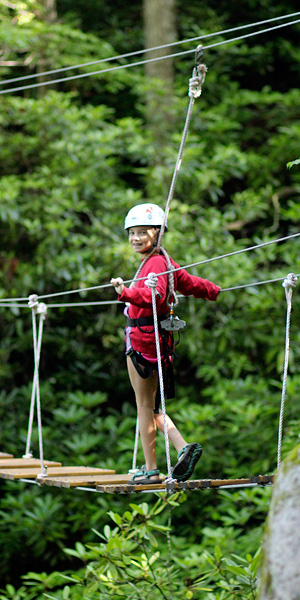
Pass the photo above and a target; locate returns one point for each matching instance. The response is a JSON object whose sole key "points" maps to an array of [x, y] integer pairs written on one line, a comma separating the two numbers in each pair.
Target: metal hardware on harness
{"points": [[172, 323]]}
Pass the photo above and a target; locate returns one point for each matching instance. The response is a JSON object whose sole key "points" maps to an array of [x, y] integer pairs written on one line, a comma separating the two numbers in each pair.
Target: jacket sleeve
{"points": [[190, 285], [141, 295]]}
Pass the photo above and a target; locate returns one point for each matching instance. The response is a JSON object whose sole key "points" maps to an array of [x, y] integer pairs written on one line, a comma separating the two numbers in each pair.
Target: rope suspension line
{"points": [[288, 284], [135, 449], [195, 86], [146, 50], [151, 282], [41, 309], [143, 62]]}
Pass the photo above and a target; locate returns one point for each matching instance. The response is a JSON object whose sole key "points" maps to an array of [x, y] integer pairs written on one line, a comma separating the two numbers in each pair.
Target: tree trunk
{"points": [[280, 573], [159, 20], [159, 27], [48, 15]]}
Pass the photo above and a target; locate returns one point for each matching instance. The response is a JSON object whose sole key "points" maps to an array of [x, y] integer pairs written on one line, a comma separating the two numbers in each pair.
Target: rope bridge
{"points": [[51, 473]]}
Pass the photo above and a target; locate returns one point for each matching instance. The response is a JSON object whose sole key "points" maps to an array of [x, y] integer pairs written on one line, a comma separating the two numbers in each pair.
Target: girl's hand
{"points": [[118, 284]]}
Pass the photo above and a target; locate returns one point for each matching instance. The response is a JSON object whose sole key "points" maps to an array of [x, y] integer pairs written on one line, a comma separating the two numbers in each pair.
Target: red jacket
{"points": [[140, 298]]}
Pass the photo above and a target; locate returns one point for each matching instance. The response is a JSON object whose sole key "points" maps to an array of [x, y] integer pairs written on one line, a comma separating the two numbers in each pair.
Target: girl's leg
{"points": [[145, 390], [175, 436]]}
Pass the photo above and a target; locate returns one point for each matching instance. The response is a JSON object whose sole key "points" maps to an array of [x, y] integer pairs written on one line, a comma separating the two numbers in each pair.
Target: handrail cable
{"points": [[201, 262], [146, 50], [104, 302], [143, 62]]}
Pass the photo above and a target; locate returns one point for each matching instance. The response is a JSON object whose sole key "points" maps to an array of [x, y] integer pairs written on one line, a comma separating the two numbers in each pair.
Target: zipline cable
{"points": [[143, 62], [146, 50]]}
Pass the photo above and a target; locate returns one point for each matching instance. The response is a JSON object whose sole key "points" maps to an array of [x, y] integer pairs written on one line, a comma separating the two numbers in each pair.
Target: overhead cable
{"points": [[143, 62], [145, 50]]}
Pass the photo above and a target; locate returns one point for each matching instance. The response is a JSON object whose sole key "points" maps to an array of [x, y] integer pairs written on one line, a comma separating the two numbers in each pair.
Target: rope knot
{"points": [[151, 282], [41, 309], [290, 281], [197, 80], [33, 301], [170, 484]]}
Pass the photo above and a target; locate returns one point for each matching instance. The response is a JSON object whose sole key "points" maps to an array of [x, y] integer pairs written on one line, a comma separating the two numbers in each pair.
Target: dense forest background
{"points": [[74, 157]]}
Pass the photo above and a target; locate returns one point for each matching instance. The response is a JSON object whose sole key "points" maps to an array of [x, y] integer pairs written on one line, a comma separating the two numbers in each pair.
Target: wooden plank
{"points": [[129, 487], [32, 473], [5, 455], [22, 463], [86, 480], [112, 487]]}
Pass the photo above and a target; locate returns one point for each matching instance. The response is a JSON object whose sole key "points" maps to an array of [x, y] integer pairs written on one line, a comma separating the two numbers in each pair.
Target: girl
{"points": [[143, 223]]}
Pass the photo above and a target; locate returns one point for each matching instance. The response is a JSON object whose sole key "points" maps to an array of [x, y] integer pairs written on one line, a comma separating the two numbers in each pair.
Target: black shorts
{"points": [[145, 369]]}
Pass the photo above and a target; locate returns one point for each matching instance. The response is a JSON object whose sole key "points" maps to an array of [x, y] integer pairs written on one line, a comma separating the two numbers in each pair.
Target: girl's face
{"points": [[141, 239]]}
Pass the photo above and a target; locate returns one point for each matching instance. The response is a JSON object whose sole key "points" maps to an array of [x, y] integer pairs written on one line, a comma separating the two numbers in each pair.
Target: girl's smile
{"points": [[142, 239]]}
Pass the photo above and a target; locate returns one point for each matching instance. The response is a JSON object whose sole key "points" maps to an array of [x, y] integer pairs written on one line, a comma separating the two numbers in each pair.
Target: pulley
{"points": [[172, 322]]}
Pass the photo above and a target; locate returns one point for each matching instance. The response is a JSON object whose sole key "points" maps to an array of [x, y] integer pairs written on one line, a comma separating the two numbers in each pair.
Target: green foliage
{"points": [[73, 160], [136, 559]]}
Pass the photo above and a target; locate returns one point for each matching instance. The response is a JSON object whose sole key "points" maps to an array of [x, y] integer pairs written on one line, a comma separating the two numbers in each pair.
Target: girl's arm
{"points": [[190, 285]]}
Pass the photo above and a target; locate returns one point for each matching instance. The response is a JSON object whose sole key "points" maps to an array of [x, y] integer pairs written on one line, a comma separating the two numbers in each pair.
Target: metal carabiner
{"points": [[172, 314]]}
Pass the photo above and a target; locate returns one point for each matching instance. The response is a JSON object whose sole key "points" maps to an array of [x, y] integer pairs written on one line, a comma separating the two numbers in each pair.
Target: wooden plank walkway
{"points": [[107, 480], [5, 455], [198, 484], [86, 480], [33, 472], [23, 463]]}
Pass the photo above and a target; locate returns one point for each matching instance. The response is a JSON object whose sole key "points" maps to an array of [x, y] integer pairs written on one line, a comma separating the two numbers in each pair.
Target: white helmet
{"points": [[146, 214]]}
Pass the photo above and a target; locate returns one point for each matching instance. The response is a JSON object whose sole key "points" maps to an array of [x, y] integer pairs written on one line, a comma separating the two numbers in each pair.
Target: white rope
{"points": [[288, 285], [143, 62], [136, 444], [41, 309], [37, 353], [151, 283], [145, 50], [195, 84]]}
